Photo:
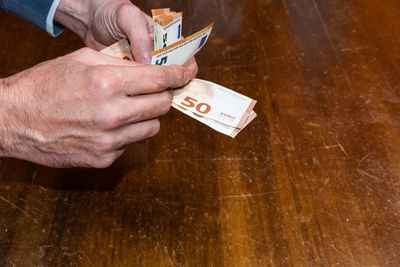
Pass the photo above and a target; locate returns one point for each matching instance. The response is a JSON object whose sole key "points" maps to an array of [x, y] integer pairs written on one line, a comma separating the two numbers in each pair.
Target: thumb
{"points": [[140, 32]]}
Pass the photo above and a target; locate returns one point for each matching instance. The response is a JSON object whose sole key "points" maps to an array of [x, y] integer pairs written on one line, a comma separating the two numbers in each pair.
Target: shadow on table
{"points": [[75, 179]]}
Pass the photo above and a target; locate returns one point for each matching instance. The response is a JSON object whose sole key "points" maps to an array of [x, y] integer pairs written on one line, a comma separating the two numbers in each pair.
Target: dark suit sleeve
{"points": [[38, 12]]}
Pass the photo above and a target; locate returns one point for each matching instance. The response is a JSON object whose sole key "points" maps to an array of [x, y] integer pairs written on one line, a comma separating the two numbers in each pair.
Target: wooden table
{"points": [[314, 180]]}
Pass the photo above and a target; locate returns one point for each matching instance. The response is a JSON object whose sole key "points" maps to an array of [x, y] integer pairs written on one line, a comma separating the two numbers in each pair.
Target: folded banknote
{"points": [[218, 107], [182, 50], [167, 27]]}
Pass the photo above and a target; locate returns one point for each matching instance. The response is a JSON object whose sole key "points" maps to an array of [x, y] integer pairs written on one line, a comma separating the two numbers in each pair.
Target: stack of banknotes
{"points": [[166, 24], [218, 107]]}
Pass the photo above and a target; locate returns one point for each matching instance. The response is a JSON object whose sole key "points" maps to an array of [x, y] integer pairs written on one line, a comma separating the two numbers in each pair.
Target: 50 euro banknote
{"points": [[218, 107]]}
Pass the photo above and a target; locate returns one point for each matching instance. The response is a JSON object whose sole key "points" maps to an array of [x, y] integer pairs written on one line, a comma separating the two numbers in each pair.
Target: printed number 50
{"points": [[189, 102]]}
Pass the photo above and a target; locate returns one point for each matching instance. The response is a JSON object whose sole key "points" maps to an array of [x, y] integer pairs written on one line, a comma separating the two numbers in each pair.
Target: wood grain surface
{"points": [[313, 181]]}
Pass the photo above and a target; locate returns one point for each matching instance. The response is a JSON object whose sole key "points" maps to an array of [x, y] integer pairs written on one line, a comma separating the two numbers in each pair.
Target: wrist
{"points": [[75, 15], [5, 138]]}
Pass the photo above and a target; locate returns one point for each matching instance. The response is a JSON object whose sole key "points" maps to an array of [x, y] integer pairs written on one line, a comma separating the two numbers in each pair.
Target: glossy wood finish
{"points": [[314, 180]]}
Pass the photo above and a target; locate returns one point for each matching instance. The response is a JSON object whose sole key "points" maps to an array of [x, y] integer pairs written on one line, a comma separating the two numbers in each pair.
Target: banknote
{"points": [[214, 102], [167, 27], [217, 126], [159, 12], [218, 107], [177, 53], [120, 49], [181, 51]]}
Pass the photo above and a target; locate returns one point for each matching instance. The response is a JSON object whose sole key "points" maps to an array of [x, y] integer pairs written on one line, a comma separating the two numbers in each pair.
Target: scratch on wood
{"points": [[165, 206], [235, 243], [253, 240], [335, 218], [87, 258], [41, 187], [376, 178], [246, 195], [345, 49], [329, 147], [158, 235], [331, 43], [337, 145], [190, 161], [347, 257], [313, 124], [361, 160], [18, 208], [342, 148], [81, 252]]}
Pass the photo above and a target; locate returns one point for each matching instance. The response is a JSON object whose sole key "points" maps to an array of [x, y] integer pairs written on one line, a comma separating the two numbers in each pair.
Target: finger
{"points": [[92, 57], [150, 28], [139, 34], [104, 160], [142, 44], [146, 79], [150, 23], [141, 108], [132, 133], [137, 132], [191, 67]]}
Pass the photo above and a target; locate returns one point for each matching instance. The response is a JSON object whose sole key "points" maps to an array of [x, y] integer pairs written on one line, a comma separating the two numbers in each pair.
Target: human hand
{"points": [[81, 109], [102, 23]]}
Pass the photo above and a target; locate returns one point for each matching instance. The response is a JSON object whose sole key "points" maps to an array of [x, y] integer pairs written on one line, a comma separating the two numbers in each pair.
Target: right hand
{"points": [[80, 109]]}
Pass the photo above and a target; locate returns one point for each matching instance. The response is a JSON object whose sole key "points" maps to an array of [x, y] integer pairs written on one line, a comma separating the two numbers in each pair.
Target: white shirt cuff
{"points": [[50, 18]]}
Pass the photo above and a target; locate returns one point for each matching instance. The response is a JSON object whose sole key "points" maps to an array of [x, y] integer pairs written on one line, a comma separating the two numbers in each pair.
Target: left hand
{"points": [[120, 19], [101, 23]]}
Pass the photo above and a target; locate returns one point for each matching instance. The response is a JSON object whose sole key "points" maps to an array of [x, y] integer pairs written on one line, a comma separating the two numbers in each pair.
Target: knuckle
{"points": [[105, 143], [103, 161], [195, 69], [166, 100], [128, 9], [155, 128], [161, 78], [104, 81], [107, 118], [78, 54], [181, 72], [85, 50], [110, 122]]}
